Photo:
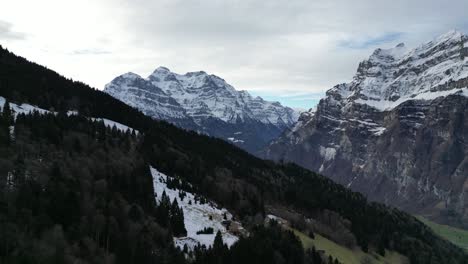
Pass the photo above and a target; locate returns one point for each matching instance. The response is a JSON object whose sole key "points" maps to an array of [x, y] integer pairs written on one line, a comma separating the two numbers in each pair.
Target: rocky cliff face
{"points": [[205, 103], [397, 132], [151, 100]]}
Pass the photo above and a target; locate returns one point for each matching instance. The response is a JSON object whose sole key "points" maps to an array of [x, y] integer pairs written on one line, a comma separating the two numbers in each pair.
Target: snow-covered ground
{"points": [[278, 219], [385, 105], [23, 108], [393, 76], [235, 140], [197, 216], [29, 109], [110, 123], [195, 95]]}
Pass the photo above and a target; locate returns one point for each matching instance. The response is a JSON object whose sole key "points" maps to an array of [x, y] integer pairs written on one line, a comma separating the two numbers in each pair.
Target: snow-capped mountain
{"points": [[397, 132], [206, 103], [151, 100]]}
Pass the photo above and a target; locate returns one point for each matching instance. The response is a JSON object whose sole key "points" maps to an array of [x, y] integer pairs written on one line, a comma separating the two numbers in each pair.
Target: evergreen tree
{"points": [[163, 210], [7, 113], [218, 243], [177, 219], [6, 120]]}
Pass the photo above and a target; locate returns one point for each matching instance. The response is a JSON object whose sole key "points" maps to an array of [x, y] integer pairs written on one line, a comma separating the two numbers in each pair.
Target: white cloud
{"points": [[277, 47], [6, 32]]}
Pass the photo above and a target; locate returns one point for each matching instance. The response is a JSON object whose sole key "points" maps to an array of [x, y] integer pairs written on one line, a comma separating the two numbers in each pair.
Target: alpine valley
{"points": [[205, 103], [86, 178], [398, 132]]}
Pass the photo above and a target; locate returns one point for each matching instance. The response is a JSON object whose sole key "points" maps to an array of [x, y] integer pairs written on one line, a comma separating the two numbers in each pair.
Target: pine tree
{"points": [[6, 120], [7, 113], [163, 210], [177, 219], [218, 243]]}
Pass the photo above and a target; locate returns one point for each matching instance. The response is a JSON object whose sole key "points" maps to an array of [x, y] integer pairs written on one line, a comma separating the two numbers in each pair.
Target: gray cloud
{"points": [[371, 42], [94, 51], [274, 47], [7, 33], [273, 44]]}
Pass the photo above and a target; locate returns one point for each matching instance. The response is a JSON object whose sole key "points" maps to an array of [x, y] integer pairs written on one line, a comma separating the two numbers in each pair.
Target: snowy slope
{"points": [[393, 76], [140, 93], [205, 95], [29, 109], [23, 108], [196, 215], [205, 103], [111, 124]]}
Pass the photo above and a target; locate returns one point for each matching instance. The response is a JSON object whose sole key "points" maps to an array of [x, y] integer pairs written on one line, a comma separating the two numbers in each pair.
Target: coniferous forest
{"points": [[75, 191]]}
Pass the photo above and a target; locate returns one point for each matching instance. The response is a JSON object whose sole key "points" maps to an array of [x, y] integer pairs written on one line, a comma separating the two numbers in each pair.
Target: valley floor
{"points": [[346, 255], [455, 235]]}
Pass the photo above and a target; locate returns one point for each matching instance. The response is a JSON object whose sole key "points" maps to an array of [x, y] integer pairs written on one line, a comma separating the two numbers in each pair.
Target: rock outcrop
{"points": [[398, 132]]}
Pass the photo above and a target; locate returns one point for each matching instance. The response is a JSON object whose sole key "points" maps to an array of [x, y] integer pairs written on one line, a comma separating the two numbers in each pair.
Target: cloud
{"points": [[370, 42], [90, 52], [6, 32], [275, 47], [282, 45]]}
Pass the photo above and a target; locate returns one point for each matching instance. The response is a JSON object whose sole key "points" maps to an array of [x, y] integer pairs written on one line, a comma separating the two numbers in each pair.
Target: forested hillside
{"points": [[83, 191]]}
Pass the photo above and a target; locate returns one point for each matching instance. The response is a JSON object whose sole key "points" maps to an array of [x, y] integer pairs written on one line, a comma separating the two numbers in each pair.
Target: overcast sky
{"points": [[291, 51]]}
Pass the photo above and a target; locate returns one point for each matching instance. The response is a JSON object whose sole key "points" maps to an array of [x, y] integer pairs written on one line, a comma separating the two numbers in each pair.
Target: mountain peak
{"points": [[371, 133], [400, 45], [392, 76], [196, 73], [210, 102], [130, 75], [451, 34], [162, 74], [162, 69]]}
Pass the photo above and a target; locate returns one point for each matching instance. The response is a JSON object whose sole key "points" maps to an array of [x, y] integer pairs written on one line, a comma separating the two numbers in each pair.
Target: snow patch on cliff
{"points": [[327, 153], [385, 105]]}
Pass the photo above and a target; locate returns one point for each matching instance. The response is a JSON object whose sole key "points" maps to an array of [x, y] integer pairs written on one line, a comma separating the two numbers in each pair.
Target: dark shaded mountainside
{"points": [[73, 190], [397, 132]]}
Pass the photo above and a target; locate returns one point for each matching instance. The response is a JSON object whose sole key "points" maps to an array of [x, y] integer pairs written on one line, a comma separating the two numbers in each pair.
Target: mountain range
{"points": [[398, 132], [86, 178], [205, 103]]}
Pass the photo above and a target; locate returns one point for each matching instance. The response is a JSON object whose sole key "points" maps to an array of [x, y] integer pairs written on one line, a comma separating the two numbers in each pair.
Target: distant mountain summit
{"points": [[205, 103], [397, 132]]}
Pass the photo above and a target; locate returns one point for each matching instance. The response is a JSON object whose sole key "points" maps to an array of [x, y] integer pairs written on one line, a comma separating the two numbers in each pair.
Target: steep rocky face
{"points": [[206, 103], [397, 132], [138, 92]]}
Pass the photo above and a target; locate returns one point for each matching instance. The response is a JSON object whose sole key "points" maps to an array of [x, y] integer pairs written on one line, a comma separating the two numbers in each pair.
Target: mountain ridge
{"points": [[384, 132], [205, 103]]}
